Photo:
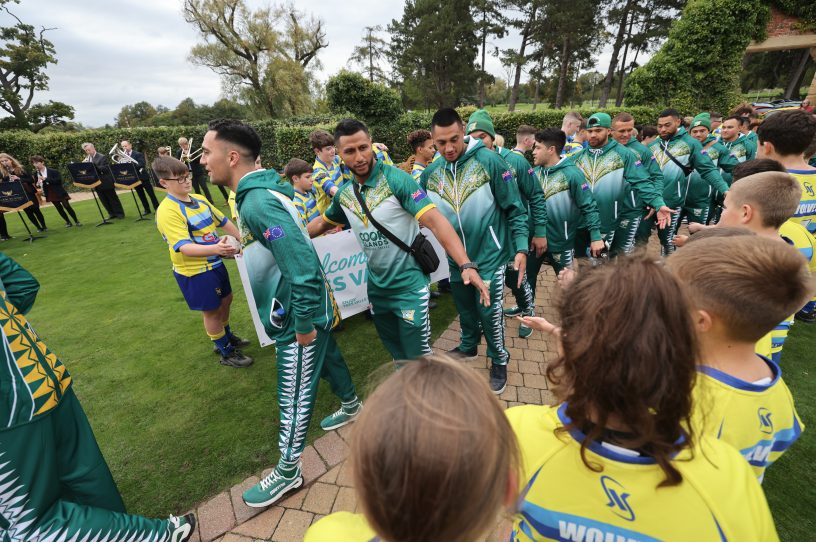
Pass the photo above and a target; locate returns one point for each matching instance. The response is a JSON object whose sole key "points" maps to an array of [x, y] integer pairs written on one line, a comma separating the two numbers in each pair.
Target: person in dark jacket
{"points": [[106, 191], [50, 182], [144, 190], [12, 170]]}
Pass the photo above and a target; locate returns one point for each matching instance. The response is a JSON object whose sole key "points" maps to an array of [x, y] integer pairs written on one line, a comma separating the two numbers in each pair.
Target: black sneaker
{"points": [[435, 294], [238, 342], [236, 359], [69, 225], [806, 317], [78, 223], [498, 378], [462, 355], [181, 529]]}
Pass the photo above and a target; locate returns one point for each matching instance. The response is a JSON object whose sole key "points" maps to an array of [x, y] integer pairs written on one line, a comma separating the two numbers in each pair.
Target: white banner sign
{"points": [[344, 263]]}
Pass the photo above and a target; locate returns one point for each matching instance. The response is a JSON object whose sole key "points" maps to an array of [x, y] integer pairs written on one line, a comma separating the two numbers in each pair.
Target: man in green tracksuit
{"points": [[398, 289], [678, 155], [701, 200], [294, 300], [569, 203], [615, 172], [623, 129], [54, 482], [741, 146], [480, 125], [477, 192]]}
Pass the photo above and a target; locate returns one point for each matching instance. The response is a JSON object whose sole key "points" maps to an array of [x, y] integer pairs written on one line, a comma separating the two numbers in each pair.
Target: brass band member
{"points": [[50, 181], [106, 191], [144, 190], [12, 170]]}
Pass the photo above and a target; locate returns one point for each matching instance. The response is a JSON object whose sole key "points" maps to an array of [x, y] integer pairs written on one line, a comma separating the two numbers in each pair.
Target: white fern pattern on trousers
{"points": [[497, 327], [424, 297], [294, 398]]}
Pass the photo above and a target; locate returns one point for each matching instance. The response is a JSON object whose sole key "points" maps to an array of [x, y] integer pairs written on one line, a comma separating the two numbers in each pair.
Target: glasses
{"points": [[180, 180]]}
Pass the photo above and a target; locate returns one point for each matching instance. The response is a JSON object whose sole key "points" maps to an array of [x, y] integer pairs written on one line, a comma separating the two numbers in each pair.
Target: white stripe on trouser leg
{"points": [[497, 324], [424, 299], [294, 399], [629, 247]]}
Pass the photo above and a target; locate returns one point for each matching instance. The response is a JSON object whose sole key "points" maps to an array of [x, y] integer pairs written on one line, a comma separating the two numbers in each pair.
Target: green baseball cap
{"points": [[703, 119], [480, 120], [599, 120]]}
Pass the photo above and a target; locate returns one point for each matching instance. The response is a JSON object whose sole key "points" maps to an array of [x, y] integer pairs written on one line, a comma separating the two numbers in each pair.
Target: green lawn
{"points": [[175, 426]]}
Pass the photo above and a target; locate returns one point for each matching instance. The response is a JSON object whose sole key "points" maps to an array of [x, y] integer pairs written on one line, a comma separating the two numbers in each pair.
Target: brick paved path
{"points": [[328, 487]]}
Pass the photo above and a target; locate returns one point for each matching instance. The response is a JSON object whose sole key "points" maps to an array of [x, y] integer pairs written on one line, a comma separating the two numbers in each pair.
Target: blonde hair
{"points": [[17, 166], [498, 140], [774, 194], [751, 283], [182, 140], [432, 454]]}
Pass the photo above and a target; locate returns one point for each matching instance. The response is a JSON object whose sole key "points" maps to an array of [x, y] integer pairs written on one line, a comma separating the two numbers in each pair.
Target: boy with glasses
{"points": [[188, 223]]}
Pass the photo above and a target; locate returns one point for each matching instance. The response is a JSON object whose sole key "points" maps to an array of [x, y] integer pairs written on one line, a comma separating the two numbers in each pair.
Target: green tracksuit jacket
{"points": [[611, 170], [290, 289], [689, 152], [743, 148], [648, 161], [530, 191], [569, 203], [699, 191], [479, 196]]}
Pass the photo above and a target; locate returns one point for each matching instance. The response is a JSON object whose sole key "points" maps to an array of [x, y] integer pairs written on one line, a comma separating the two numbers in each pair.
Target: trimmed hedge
{"points": [[282, 140]]}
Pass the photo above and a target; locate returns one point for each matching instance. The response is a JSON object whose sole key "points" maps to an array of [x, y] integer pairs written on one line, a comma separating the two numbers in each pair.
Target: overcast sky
{"points": [[115, 53]]}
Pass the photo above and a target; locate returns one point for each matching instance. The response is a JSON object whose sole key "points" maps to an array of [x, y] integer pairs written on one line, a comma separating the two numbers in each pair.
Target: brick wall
{"points": [[782, 25]]}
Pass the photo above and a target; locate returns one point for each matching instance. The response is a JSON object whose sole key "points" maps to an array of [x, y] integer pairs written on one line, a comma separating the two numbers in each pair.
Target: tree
{"points": [[489, 21], [698, 67], [349, 92], [24, 55], [433, 52], [369, 54], [524, 22], [138, 114], [263, 56]]}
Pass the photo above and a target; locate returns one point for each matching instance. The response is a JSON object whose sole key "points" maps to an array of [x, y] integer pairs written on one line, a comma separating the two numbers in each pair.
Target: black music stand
{"points": [[13, 199], [125, 176], [87, 176]]}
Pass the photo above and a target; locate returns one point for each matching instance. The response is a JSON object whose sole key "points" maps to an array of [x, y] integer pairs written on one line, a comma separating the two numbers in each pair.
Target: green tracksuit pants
{"points": [[666, 235], [300, 369], [475, 317], [402, 321], [56, 486], [525, 296]]}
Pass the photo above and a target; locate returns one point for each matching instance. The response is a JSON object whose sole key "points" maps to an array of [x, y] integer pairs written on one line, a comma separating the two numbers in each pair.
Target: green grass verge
{"points": [[174, 425]]}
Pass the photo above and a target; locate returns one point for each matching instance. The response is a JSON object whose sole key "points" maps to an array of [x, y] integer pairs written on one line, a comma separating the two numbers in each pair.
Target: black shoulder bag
{"points": [[421, 249], [685, 169]]}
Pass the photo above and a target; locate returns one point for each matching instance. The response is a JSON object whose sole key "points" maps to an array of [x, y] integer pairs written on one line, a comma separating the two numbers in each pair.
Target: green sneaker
{"points": [[271, 488], [524, 331], [512, 311], [342, 417]]}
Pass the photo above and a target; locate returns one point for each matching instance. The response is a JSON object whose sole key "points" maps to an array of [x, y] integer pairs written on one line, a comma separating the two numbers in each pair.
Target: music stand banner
{"points": [[125, 176], [84, 174], [13, 197]]}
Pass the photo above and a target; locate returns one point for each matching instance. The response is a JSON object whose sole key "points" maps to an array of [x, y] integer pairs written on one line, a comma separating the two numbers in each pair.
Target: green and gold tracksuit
{"points": [[648, 161], [533, 200], [54, 482], [621, 187], [398, 290], [689, 152], [743, 148], [479, 196], [701, 200], [569, 203], [292, 296]]}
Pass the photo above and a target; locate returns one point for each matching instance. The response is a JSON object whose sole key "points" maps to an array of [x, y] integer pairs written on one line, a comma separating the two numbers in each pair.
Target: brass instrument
{"points": [[118, 156], [189, 155]]}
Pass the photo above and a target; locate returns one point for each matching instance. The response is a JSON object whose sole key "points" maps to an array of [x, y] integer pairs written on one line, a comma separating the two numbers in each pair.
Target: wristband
{"points": [[468, 265]]}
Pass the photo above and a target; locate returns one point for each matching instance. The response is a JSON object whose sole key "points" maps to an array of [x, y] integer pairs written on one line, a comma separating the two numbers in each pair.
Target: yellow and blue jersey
{"points": [[771, 345], [563, 499], [232, 207], [341, 527], [416, 171], [306, 204], [325, 177], [180, 223], [806, 212], [758, 419], [571, 148]]}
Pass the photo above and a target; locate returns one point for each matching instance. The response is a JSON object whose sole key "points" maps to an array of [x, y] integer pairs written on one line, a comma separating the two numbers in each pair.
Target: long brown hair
{"points": [[432, 454], [628, 361], [17, 167]]}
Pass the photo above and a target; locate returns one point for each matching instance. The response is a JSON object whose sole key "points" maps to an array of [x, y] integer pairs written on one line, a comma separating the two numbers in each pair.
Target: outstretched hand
{"points": [[471, 278], [541, 324]]}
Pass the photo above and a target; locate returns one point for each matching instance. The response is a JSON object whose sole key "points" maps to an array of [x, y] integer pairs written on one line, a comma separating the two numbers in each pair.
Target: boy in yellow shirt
{"points": [[740, 288]]}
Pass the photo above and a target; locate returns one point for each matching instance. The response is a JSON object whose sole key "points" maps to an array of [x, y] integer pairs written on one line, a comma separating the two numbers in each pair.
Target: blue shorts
{"points": [[204, 292]]}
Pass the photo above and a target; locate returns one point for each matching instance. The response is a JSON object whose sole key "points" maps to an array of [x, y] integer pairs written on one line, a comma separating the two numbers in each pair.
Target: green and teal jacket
{"points": [[531, 195], [290, 289]]}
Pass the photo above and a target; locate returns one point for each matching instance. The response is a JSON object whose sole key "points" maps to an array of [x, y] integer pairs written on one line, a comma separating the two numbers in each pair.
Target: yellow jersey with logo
{"points": [[562, 499], [341, 527], [181, 223], [758, 419], [806, 212], [770, 346]]}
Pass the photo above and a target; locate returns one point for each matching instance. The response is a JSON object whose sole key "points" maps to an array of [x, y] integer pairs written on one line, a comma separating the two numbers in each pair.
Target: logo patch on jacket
{"points": [[585, 186], [530, 171], [507, 175], [273, 233], [210, 237], [419, 195], [638, 163]]}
